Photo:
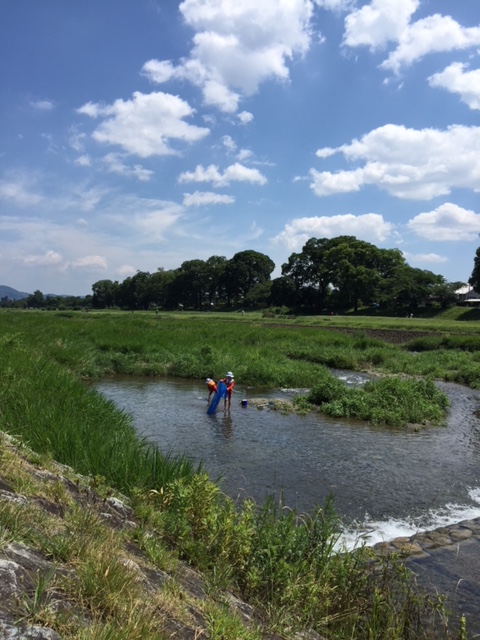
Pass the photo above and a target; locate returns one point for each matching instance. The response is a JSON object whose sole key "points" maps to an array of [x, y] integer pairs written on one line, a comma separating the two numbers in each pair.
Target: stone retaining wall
{"points": [[446, 561], [423, 543]]}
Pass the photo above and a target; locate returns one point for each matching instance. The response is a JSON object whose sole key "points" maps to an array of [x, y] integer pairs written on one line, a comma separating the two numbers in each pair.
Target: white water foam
{"points": [[370, 532]]}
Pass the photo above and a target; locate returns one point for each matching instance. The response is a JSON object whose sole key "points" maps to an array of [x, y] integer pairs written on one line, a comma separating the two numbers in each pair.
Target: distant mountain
{"points": [[12, 294]]}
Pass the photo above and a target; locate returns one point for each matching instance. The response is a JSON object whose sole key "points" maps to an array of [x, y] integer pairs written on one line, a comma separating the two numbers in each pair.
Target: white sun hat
{"points": [[229, 374], [208, 380]]}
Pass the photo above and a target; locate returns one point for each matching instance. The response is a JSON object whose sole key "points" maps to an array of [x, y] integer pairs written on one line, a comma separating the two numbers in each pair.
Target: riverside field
{"points": [[282, 562]]}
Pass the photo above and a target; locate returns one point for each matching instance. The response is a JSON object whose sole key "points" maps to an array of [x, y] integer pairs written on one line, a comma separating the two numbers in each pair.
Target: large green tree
{"points": [[349, 268], [244, 270], [141, 286], [190, 284], [358, 268], [444, 292], [258, 296], [134, 292], [309, 272], [216, 268], [159, 287], [409, 289], [36, 300], [104, 294], [284, 292]]}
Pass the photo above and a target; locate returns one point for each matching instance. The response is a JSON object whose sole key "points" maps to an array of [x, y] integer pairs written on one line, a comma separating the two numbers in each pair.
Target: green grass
{"points": [[392, 401], [45, 404], [282, 561], [260, 351]]}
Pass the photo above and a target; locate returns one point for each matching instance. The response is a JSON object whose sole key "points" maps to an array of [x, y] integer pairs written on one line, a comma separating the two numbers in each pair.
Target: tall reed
{"points": [[54, 413]]}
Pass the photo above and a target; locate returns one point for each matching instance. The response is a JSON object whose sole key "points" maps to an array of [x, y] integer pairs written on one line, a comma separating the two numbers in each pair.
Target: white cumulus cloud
{"points": [[125, 270], [158, 71], [456, 79], [245, 117], [147, 219], [77, 140], [370, 227], [229, 143], [238, 45], [146, 124], [234, 173], [447, 223], [433, 34], [325, 183], [244, 154], [407, 163], [381, 22]]}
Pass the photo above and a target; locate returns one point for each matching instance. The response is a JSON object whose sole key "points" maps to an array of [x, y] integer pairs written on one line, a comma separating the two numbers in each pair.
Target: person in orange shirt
{"points": [[212, 388], [230, 383]]}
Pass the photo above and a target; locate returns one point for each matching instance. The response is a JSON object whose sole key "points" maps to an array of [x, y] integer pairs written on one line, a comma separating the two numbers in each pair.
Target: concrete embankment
{"points": [[446, 561]]}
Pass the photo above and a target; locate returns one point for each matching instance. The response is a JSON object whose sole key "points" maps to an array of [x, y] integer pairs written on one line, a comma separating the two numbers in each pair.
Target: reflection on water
{"points": [[376, 474]]}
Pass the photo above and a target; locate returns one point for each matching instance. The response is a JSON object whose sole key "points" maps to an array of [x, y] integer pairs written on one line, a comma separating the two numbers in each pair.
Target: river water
{"points": [[386, 482]]}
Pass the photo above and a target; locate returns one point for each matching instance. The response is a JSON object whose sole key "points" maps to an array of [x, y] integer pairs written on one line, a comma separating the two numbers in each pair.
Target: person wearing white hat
{"points": [[230, 383]]}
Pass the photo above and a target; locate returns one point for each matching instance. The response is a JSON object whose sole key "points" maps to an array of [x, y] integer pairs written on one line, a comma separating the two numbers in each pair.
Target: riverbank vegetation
{"points": [[262, 351], [92, 568], [286, 564], [392, 401]]}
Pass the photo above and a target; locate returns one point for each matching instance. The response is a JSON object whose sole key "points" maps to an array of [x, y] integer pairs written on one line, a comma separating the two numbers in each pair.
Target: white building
{"points": [[467, 295]]}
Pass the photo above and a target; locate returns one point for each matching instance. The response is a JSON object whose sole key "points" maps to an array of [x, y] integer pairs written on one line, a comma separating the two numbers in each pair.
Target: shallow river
{"points": [[386, 482]]}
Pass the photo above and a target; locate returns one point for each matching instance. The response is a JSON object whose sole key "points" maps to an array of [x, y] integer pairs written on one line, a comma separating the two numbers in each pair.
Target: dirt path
{"points": [[392, 336]]}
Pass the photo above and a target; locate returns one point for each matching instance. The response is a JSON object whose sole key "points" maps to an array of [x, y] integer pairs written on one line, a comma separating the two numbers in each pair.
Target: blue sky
{"points": [[138, 135]]}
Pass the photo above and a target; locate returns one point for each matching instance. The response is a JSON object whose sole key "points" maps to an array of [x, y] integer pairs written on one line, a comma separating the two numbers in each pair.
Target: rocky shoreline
{"points": [[422, 544]]}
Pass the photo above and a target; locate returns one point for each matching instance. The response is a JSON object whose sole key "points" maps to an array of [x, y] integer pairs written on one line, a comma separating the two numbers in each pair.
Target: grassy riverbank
{"points": [[280, 561], [269, 352], [82, 563]]}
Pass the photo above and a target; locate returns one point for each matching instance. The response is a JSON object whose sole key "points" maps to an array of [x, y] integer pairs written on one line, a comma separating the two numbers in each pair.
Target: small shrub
{"points": [[427, 343], [377, 356], [468, 375], [328, 389], [465, 343], [392, 401]]}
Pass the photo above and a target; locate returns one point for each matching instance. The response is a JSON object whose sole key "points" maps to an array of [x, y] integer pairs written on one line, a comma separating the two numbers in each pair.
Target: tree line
{"points": [[333, 274]]}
